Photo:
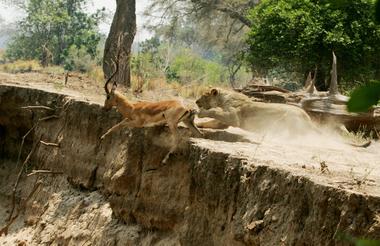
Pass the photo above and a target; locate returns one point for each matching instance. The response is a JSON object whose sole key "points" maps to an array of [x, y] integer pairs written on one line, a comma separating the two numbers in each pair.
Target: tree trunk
{"points": [[232, 71], [124, 23]]}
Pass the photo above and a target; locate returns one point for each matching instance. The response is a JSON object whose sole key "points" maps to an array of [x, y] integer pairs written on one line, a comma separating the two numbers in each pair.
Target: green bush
{"points": [[178, 63], [189, 67], [79, 60], [298, 35], [182, 65], [55, 26]]}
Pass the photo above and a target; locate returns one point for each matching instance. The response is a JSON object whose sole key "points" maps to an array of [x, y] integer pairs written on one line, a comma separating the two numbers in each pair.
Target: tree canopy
{"points": [[202, 9], [299, 35], [55, 27], [213, 29]]}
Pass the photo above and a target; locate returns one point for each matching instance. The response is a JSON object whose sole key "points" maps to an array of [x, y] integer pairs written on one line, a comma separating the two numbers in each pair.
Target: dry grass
{"points": [[359, 136], [96, 74], [156, 84], [193, 90], [21, 66], [53, 70], [26, 66], [159, 86]]}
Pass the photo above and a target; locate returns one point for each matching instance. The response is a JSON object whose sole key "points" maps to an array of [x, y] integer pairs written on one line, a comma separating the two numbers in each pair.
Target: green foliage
{"points": [[298, 35], [364, 97], [147, 64], [152, 53], [357, 241], [364, 242], [178, 63], [56, 26], [191, 67], [214, 36], [78, 59], [377, 11], [368, 95]]}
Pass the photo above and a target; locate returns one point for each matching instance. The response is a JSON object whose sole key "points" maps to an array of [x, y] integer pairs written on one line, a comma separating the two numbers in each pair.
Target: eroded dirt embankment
{"points": [[117, 192]]}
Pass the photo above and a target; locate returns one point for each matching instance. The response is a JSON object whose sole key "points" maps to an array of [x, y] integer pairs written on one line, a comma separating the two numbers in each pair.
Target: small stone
{"points": [[21, 243], [256, 226], [274, 218]]}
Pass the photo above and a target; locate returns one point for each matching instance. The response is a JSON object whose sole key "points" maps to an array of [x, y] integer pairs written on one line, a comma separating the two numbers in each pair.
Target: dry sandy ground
{"points": [[325, 160], [80, 87]]}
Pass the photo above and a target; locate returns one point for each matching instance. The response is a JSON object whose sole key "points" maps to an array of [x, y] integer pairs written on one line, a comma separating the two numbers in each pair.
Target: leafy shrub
{"points": [[190, 67], [298, 35], [79, 60], [54, 27], [177, 63], [96, 73], [364, 97]]}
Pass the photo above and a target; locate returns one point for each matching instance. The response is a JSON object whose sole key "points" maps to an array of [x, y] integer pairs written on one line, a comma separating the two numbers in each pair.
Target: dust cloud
{"points": [[297, 131]]}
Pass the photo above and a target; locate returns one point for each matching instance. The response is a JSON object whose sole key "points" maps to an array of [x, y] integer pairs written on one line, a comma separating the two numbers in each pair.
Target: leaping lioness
{"points": [[234, 109]]}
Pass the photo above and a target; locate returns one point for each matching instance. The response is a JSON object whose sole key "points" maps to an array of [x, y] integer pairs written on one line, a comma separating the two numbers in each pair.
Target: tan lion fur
{"points": [[235, 109]]}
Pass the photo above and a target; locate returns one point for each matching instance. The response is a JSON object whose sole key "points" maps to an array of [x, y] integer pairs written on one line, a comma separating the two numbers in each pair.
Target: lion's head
{"points": [[210, 99], [222, 98]]}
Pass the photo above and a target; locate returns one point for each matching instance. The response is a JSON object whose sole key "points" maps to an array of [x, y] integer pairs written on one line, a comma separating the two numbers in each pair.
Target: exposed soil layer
{"points": [[217, 191]]}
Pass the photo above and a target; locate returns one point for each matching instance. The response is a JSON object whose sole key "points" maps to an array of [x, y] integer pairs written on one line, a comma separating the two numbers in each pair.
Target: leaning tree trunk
{"points": [[123, 25]]}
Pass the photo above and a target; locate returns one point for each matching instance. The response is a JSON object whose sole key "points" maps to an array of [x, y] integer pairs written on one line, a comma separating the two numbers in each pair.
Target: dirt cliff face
{"points": [[117, 192]]}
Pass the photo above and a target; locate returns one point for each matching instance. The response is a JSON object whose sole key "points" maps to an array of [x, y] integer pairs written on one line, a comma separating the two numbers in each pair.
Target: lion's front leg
{"points": [[228, 117]]}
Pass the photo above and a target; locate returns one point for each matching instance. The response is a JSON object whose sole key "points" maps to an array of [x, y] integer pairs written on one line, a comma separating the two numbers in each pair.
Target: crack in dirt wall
{"points": [[202, 196]]}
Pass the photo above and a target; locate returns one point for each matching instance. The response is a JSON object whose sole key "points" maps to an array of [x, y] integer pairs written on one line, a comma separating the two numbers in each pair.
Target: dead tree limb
{"points": [[18, 179], [34, 172], [30, 130], [49, 144], [38, 107], [48, 118], [22, 143]]}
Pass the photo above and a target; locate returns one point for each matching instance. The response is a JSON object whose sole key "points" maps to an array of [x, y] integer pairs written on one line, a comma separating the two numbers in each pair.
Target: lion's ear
{"points": [[214, 92]]}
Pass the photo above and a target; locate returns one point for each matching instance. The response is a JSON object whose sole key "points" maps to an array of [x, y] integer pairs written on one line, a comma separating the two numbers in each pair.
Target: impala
{"points": [[149, 114]]}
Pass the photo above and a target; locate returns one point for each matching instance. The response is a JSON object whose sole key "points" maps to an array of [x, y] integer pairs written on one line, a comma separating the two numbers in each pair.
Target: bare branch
{"points": [[30, 130], [49, 144], [18, 179], [38, 107], [34, 172], [48, 118], [235, 15]]}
